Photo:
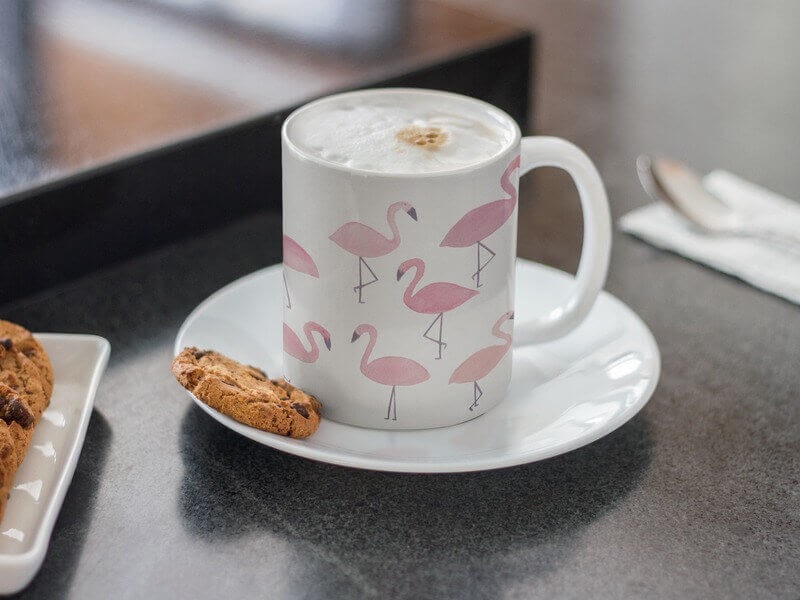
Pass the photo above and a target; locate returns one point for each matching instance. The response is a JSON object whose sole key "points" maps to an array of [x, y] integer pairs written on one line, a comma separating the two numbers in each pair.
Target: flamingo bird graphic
{"points": [[297, 259], [365, 242], [388, 370], [483, 362], [294, 347], [433, 299], [479, 223]]}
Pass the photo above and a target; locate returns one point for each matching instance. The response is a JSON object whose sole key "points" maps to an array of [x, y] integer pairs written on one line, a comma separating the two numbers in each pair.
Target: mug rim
{"points": [[513, 143]]}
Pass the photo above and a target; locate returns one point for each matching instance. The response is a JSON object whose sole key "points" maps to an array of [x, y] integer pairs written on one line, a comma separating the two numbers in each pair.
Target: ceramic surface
{"points": [[564, 394], [402, 284]]}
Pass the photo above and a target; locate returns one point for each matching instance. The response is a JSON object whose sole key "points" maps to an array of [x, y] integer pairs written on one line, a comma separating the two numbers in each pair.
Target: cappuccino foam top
{"points": [[401, 133]]}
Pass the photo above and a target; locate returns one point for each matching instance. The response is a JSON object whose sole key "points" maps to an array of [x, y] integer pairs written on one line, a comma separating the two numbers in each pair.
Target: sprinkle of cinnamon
{"points": [[426, 138]]}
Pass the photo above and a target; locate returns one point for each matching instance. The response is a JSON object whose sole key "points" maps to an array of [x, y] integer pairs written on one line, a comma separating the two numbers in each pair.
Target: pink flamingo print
{"points": [[294, 347], [297, 259], [481, 222], [433, 299], [365, 242], [388, 370], [482, 362]]}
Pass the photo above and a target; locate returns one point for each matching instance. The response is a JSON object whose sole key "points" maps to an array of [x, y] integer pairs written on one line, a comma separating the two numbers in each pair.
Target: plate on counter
{"points": [[42, 480]]}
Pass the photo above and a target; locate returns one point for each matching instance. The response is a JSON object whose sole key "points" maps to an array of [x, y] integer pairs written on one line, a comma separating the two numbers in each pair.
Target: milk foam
{"points": [[400, 132]]}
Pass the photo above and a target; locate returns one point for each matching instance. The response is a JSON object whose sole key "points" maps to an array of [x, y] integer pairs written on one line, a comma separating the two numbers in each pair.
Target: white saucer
{"points": [[44, 476], [564, 394]]}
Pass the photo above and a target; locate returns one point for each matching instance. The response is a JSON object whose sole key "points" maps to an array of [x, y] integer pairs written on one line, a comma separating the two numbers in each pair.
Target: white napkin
{"points": [[761, 264]]}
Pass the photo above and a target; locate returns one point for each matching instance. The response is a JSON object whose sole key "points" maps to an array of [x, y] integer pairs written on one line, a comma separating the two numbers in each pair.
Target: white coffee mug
{"points": [[399, 288]]}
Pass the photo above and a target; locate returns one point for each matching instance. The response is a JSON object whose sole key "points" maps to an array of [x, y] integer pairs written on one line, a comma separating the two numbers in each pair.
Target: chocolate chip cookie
{"points": [[25, 389], [8, 464], [15, 337], [22, 399], [18, 420], [246, 394], [13, 409], [23, 377]]}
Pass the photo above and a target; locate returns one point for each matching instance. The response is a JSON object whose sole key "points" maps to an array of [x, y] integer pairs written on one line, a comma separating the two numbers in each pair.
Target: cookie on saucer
{"points": [[246, 394]]}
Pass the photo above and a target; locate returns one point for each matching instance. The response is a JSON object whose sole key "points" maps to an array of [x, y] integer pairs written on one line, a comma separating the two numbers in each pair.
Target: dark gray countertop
{"points": [[698, 496]]}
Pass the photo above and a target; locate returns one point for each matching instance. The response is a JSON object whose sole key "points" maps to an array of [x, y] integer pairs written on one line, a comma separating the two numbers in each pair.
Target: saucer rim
{"points": [[304, 449]]}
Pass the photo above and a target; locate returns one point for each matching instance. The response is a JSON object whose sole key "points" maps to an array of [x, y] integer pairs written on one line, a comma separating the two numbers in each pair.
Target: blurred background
{"points": [[87, 82], [162, 93], [128, 124], [713, 84]]}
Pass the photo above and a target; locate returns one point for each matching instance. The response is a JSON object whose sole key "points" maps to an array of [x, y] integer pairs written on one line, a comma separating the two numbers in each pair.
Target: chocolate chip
{"points": [[300, 409], [16, 410], [12, 408], [6, 343], [198, 354]]}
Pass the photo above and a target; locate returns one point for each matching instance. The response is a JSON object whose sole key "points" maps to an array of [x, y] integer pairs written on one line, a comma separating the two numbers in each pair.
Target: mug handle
{"points": [[555, 152]]}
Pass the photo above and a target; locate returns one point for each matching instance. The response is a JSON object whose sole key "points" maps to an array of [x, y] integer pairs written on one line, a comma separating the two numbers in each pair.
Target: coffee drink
{"points": [[402, 133]]}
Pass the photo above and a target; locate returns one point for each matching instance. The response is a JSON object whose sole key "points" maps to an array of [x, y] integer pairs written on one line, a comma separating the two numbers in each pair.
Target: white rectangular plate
{"points": [[44, 476]]}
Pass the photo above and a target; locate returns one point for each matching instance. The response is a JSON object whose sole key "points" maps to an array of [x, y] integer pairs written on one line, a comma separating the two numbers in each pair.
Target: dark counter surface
{"points": [[697, 497]]}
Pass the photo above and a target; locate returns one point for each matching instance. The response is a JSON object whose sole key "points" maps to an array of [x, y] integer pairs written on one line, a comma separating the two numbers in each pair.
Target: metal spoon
{"points": [[676, 185]]}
